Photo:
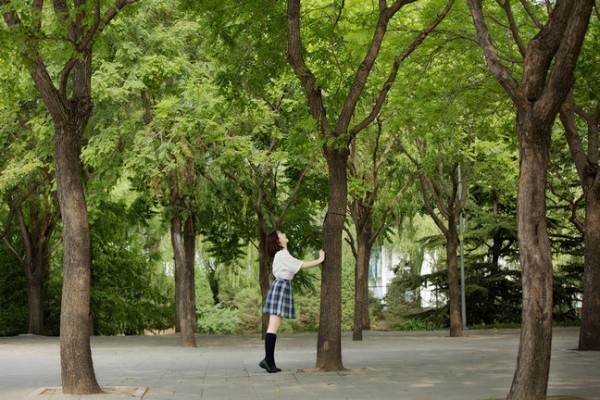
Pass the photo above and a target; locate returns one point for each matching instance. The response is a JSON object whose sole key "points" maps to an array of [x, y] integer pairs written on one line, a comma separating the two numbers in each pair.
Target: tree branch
{"points": [[501, 73], [542, 49], [531, 14], [394, 71], [10, 17], [572, 26], [567, 120], [513, 25], [7, 224], [294, 194], [301, 70]]}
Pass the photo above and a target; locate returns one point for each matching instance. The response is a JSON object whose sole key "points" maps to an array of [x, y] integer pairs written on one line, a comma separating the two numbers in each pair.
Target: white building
{"points": [[384, 265]]}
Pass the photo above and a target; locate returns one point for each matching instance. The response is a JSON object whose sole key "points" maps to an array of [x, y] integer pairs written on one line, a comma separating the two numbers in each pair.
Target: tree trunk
{"points": [[76, 356], [366, 320], [35, 239], [364, 245], [184, 280], [329, 343], [213, 281], [533, 363], [189, 244], [264, 272], [453, 278], [550, 59], [589, 335], [36, 280], [586, 163]]}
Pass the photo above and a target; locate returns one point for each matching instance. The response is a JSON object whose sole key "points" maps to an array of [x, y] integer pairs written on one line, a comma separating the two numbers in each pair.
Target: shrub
{"points": [[307, 313], [218, 320], [248, 303]]}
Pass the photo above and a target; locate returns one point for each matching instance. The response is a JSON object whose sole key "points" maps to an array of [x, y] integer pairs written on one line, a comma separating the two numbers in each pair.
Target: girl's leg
{"points": [[270, 338], [274, 323]]}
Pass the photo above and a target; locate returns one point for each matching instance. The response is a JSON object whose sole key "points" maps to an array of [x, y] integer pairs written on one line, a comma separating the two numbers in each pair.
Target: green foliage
{"points": [[493, 297], [206, 83], [248, 303], [13, 296], [403, 313], [307, 310], [567, 286], [218, 320], [53, 297], [127, 295]]}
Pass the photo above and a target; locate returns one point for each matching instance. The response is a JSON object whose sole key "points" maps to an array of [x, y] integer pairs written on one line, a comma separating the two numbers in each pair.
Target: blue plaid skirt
{"points": [[280, 299]]}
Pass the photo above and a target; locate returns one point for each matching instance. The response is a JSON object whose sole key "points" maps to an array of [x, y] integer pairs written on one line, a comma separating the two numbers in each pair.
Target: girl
{"points": [[280, 299]]}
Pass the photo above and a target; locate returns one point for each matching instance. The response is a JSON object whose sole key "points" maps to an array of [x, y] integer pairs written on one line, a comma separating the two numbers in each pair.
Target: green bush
{"points": [[13, 296], [307, 313], [218, 320], [248, 303]]}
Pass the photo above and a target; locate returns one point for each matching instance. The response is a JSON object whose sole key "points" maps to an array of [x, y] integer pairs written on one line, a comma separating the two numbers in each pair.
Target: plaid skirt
{"points": [[280, 299]]}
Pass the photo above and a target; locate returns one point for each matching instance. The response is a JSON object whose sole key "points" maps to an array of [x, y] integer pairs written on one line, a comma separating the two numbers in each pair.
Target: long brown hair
{"points": [[272, 243]]}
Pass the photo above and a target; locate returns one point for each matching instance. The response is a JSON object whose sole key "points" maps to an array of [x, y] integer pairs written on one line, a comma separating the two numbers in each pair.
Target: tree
{"points": [[26, 185], [456, 116], [279, 189], [337, 136], [445, 196], [577, 115], [37, 219], [368, 211], [249, 50], [69, 100], [550, 58], [179, 131]]}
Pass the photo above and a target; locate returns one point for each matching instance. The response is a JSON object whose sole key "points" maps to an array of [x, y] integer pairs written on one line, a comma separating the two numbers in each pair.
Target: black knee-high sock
{"points": [[270, 340]]}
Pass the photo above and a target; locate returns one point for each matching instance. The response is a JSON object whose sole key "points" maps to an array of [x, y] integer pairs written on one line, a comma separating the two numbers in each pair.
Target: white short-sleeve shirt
{"points": [[285, 266]]}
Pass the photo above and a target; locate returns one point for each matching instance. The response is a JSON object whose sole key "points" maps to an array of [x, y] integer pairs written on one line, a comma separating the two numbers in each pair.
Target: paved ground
{"points": [[407, 366]]}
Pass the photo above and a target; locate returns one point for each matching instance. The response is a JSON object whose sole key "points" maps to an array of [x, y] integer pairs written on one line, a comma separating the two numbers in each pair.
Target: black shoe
{"points": [[270, 368]]}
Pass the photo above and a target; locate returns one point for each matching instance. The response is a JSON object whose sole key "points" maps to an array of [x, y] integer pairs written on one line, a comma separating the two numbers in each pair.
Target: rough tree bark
{"points": [[364, 223], [547, 78], [452, 244], [586, 163], [183, 241], [329, 341]]}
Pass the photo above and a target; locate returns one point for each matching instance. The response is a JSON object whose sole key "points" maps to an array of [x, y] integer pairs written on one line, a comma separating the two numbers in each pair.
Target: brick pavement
{"points": [[385, 365]]}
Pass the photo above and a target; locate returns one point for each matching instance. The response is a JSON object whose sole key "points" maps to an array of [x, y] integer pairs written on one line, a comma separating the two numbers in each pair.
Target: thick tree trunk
{"points": [[184, 280], [453, 278], [329, 343], [589, 335], [76, 356], [533, 363]]}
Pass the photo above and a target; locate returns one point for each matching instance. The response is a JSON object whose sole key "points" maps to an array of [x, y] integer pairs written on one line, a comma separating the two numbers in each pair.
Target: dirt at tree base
{"points": [[552, 398], [119, 390]]}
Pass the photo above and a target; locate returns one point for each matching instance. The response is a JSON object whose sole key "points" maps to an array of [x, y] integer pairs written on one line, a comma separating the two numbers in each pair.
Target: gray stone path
{"points": [[390, 365]]}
